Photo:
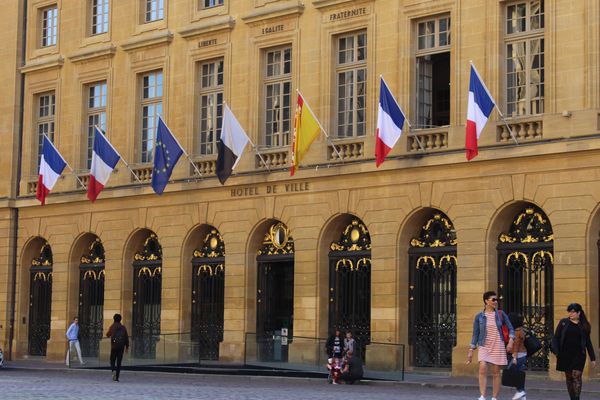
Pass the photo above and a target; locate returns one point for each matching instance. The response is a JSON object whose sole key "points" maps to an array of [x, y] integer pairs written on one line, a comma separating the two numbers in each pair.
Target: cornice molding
{"points": [[91, 53], [318, 4], [289, 8], [147, 39], [215, 24], [48, 62]]}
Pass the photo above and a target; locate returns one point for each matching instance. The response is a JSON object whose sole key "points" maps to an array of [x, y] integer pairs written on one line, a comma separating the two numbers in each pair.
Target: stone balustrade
{"points": [[273, 159], [523, 129], [427, 140], [144, 173], [351, 150]]}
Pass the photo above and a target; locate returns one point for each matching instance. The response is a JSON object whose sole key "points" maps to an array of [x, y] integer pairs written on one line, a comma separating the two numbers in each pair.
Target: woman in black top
{"points": [[570, 342]]}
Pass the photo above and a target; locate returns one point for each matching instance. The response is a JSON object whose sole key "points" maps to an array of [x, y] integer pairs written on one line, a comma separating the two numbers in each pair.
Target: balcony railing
{"points": [[347, 150], [143, 172], [427, 140], [273, 158], [524, 129]]}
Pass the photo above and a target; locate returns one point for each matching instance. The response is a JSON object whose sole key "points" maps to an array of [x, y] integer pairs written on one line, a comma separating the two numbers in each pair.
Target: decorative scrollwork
{"points": [[438, 231], [515, 256], [152, 250], [531, 226], [277, 241], [150, 272], [354, 238], [212, 246], [95, 254], [42, 276], [45, 257]]}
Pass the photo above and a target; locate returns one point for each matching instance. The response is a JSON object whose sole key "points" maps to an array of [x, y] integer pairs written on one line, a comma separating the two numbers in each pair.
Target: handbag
{"points": [[532, 343], [505, 335], [513, 378]]}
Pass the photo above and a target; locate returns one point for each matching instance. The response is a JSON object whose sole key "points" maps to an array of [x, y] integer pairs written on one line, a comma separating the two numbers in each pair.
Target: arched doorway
{"points": [[275, 293], [432, 293], [40, 301], [91, 298], [147, 287], [526, 276], [208, 295], [350, 284]]}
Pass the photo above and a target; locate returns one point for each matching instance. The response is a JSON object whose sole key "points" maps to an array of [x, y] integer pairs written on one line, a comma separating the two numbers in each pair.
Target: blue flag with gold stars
{"points": [[166, 154]]}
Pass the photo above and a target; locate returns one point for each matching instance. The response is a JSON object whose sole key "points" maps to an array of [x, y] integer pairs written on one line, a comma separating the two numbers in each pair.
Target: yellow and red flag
{"points": [[306, 130]]}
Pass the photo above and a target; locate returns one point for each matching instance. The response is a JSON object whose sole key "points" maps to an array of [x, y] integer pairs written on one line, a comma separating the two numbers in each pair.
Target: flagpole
{"points": [[322, 129], [182, 149], [405, 117], [67, 164], [512, 135], [120, 157]]}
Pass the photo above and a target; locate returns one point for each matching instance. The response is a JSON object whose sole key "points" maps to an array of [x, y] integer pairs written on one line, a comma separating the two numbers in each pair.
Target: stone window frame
{"points": [[149, 7], [206, 144], [147, 133], [48, 36], [208, 4], [45, 120], [99, 15], [279, 137], [95, 115]]}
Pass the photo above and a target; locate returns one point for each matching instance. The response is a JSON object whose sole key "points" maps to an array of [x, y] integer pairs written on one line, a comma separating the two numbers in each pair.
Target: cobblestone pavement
{"points": [[16, 384]]}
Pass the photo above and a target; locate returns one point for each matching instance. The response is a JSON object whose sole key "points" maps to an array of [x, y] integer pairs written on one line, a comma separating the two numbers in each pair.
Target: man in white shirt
{"points": [[73, 339]]}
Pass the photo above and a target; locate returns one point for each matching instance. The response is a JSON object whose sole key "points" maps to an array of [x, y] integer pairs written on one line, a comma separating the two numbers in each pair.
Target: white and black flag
{"points": [[231, 146]]}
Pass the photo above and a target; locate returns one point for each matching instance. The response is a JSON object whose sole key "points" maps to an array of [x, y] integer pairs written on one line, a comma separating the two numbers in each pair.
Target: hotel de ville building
{"points": [[267, 262]]}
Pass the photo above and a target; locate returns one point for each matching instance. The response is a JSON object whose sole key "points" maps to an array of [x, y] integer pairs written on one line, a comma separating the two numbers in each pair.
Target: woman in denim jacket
{"points": [[487, 334]]}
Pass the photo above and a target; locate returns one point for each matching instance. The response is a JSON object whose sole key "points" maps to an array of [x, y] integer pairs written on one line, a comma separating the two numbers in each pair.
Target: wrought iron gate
{"points": [[350, 284], [526, 278], [275, 293], [208, 296], [91, 299], [40, 301], [432, 293], [147, 287]]}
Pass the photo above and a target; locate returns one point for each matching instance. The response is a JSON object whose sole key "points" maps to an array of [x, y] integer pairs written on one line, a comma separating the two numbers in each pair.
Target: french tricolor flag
{"points": [[479, 109], [104, 159], [52, 165], [390, 120]]}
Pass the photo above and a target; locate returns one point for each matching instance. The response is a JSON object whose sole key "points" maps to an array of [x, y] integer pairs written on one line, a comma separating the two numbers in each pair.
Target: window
{"points": [[46, 109], [351, 75], [96, 115], [433, 73], [277, 96], [154, 11], [152, 90], [99, 17], [525, 58], [211, 106], [211, 3], [49, 26]]}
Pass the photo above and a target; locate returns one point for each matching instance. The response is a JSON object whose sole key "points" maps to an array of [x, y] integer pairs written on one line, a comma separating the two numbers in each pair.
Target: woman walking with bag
{"points": [[518, 357], [570, 342], [489, 335]]}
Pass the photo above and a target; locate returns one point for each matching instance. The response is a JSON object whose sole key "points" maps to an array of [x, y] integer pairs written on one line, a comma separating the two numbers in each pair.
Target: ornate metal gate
{"points": [[432, 293], [91, 299], [40, 301], [275, 293], [208, 295], [147, 286], [525, 276], [350, 284]]}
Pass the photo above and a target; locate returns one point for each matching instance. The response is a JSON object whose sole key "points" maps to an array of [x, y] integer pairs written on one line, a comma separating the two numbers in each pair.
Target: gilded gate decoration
{"points": [[275, 292], [432, 293], [350, 284], [208, 295], [40, 301], [147, 287], [526, 274], [91, 298]]}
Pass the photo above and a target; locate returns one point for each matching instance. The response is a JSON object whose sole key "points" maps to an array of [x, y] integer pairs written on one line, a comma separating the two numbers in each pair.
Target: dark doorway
{"points": [[432, 293], [208, 296], [275, 294], [433, 90], [40, 301], [91, 299], [147, 288]]}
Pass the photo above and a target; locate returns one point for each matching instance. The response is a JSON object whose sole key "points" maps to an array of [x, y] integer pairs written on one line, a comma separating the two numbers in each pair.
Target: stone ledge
{"points": [[48, 62], [212, 25], [147, 39], [275, 11], [93, 52]]}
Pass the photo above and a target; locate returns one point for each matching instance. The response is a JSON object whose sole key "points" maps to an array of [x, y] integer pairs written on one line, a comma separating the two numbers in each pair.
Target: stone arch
{"points": [[593, 272], [80, 246]]}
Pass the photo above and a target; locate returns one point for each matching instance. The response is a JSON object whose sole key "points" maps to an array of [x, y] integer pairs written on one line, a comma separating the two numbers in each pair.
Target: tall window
{"points": [[277, 92], [152, 90], [211, 3], [433, 72], [155, 10], [211, 105], [46, 108], [99, 17], [351, 73], [96, 115], [49, 26], [524, 38]]}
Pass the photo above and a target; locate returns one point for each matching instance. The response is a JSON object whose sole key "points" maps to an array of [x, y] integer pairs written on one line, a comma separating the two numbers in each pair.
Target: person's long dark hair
{"points": [[583, 321]]}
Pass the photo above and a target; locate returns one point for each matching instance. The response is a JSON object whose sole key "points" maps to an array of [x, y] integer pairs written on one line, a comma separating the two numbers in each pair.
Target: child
{"points": [[335, 369], [518, 357], [349, 342]]}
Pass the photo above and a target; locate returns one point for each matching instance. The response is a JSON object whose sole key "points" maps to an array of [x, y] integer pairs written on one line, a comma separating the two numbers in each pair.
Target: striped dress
{"points": [[493, 351]]}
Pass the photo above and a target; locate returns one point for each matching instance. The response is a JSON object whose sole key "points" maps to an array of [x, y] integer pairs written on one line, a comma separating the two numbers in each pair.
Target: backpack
{"points": [[119, 337]]}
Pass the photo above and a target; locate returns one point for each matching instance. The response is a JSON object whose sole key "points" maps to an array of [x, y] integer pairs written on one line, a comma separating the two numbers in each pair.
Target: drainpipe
{"points": [[15, 191]]}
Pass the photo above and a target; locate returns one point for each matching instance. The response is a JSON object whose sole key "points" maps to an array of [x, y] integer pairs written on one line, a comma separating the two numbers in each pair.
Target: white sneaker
{"points": [[493, 398], [481, 398], [519, 395]]}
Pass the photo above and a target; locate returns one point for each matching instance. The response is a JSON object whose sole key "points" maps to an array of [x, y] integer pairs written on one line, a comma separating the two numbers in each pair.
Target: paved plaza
{"points": [[96, 384]]}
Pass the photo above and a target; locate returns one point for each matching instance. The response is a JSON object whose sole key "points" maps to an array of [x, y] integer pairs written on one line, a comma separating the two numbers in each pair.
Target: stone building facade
{"points": [[401, 253]]}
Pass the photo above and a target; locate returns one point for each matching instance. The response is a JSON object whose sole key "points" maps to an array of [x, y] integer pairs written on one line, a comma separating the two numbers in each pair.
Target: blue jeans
{"points": [[519, 367]]}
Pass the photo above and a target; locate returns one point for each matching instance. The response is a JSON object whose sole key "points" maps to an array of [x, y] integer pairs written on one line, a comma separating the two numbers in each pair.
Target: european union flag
{"points": [[166, 154]]}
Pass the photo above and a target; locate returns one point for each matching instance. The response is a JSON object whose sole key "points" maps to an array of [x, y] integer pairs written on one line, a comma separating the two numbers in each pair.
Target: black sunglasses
{"points": [[493, 299]]}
